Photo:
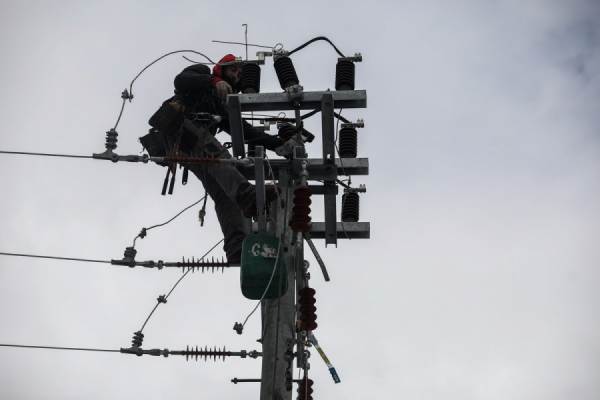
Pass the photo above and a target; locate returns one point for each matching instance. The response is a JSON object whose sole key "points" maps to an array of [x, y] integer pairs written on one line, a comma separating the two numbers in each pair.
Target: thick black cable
{"points": [[339, 116], [58, 348], [314, 40], [42, 154], [54, 258], [177, 283]]}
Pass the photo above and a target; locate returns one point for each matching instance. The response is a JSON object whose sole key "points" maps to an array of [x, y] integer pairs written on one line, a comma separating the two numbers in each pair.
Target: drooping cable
{"points": [[58, 348], [174, 286], [314, 40], [143, 232]]}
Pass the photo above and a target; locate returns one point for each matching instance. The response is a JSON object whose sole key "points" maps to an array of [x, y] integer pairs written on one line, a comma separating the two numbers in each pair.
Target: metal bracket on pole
{"points": [[259, 172], [329, 158], [236, 125]]}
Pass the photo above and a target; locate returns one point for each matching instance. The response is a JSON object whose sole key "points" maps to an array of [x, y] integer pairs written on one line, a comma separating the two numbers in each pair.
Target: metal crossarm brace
{"points": [[311, 100], [317, 169], [328, 129], [259, 172]]}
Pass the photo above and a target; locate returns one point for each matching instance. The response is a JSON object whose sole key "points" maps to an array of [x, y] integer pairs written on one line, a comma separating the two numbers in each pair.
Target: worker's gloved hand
{"points": [[287, 130], [223, 89], [287, 149]]}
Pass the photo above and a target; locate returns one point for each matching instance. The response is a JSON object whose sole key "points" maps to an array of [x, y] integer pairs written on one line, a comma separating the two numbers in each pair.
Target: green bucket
{"points": [[259, 254]]}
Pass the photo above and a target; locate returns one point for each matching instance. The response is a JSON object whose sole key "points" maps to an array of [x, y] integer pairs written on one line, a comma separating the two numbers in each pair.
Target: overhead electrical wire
{"points": [[54, 258], [42, 154], [59, 348]]}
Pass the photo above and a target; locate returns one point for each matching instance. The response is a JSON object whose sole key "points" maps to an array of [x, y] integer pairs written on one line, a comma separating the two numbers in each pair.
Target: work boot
{"points": [[236, 258], [271, 193]]}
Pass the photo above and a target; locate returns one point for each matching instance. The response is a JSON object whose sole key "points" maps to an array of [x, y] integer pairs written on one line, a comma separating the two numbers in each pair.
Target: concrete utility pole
{"points": [[280, 314], [284, 337]]}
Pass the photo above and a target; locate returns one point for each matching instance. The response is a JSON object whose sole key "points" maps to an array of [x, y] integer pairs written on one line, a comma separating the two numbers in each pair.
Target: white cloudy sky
{"points": [[481, 277]]}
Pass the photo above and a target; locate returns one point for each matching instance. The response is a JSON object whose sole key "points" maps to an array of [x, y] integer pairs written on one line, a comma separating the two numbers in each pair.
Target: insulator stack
{"points": [[301, 209], [350, 207], [251, 150], [206, 353], [191, 160], [344, 75], [305, 389], [208, 265], [111, 139], [348, 143], [286, 131], [286, 73], [251, 78], [307, 309], [138, 338]]}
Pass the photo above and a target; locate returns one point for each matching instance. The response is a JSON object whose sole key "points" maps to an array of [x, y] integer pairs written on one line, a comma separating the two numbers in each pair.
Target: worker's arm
{"points": [[193, 80]]}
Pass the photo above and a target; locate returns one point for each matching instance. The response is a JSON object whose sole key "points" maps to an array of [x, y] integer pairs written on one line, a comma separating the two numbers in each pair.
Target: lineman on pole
{"points": [[188, 123]]}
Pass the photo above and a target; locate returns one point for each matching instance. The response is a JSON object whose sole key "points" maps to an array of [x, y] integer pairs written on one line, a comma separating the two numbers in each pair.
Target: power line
{"points": [[43, 154], [54, 258], [58, 348]]}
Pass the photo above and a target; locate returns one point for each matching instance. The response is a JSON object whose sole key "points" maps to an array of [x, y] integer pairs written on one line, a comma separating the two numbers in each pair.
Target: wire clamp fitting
{"points": [[128, 259], [239, 328], [360, 123], [162, 299], [295, 93], [126, 96], [359, 189]]}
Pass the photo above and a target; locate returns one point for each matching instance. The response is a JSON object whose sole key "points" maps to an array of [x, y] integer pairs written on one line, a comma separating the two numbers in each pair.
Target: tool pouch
{"points": [[154, 143], [167, 119]]}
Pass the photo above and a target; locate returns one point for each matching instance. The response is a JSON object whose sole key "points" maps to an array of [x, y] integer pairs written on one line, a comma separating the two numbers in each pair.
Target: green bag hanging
{"points": [[259, 254]]}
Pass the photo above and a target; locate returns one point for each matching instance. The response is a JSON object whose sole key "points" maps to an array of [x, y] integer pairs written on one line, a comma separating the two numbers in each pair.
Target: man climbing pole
{"points": [[189, 122]]}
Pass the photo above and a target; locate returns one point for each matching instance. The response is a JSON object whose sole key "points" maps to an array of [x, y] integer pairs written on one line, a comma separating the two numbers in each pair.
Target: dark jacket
{"points": [[193, 89]]}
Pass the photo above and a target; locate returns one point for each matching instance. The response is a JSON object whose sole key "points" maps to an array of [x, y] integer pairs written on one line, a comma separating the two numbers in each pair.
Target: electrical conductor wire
{"points": [[314, 40], [165, 223], [54, 258], [42, 154], [177, 283], [58, 348]]}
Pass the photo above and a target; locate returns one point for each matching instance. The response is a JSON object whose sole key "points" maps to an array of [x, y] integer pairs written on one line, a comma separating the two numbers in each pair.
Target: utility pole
{"points": [[286, 327]]}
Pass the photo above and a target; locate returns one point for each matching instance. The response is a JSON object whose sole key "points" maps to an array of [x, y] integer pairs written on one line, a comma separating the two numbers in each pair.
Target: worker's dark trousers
{"points": [[228, 188]]}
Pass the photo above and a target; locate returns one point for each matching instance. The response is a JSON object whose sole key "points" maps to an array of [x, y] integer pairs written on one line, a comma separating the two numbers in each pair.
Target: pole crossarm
{"points": [[311, 100], [345, 230], [317, 169]]}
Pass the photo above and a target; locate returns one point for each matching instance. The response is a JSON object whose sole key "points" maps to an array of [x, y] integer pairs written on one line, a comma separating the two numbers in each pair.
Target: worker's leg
{"points": [[235, 186], [229, 215]]}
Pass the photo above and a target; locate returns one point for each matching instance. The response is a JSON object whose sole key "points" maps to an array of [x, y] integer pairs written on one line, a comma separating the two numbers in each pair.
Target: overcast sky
{"points": [[481, 277]]}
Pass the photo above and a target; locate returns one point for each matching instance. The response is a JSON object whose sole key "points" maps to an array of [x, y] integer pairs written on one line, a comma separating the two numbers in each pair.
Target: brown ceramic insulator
{"points": [[191, 160], [303, 191], [207, 353], [305, 389], [301, 209], [307, 309]]}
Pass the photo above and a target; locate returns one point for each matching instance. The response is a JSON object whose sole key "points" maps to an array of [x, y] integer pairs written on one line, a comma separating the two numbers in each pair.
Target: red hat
{"points": [[218, 70]]}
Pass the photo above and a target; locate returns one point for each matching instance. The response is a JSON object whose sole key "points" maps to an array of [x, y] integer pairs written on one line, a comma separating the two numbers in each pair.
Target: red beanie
{"points": [[218, 70]]}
